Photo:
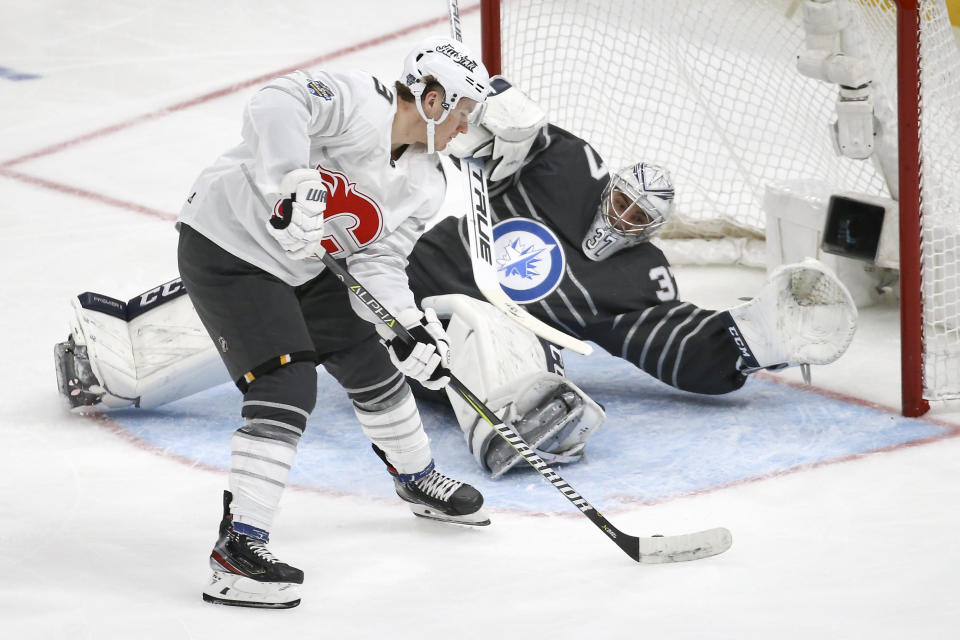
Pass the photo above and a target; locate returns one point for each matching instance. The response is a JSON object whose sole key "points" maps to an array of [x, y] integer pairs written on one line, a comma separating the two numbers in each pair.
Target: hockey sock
{"points": [[275, 412], [393, 424]]}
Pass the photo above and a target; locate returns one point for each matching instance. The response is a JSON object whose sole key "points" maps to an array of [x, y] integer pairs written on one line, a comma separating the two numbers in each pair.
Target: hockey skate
{"points": [[75, 377], [437, 497], [246, 574]]}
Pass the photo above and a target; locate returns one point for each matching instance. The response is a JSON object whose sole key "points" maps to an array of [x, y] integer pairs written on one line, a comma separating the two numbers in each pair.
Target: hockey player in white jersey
{"points": [[342, 163]]}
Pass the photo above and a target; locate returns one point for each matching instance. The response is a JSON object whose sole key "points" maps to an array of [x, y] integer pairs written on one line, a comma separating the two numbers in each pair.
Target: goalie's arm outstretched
{"points": [[676, 342], [803, 314]]}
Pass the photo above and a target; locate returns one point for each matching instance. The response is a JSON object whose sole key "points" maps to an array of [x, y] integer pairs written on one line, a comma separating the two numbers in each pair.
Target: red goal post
{"points": [[710, 88]]}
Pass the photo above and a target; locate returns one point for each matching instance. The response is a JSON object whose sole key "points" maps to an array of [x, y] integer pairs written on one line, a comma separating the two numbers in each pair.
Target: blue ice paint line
{"points": [[10, 74], [657, 442]]}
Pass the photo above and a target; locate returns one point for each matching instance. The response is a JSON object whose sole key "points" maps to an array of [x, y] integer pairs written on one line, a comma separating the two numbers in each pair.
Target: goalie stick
{"points": [[650, 550], [480, 235]]}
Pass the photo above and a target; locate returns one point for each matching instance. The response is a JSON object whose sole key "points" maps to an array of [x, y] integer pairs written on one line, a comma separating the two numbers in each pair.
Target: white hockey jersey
{"points": [[340, 124]]}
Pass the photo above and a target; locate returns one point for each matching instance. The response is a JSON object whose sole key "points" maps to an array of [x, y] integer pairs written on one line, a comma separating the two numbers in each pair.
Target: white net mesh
{"points": [[709, 88], [940, 144]]}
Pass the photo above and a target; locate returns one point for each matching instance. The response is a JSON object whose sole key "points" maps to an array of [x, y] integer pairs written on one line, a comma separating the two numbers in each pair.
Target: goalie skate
{"points": [[75, 377], [542, 428], [246, 574]]}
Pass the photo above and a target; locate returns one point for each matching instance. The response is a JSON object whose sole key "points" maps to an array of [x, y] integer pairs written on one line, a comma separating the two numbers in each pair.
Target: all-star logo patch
{"points": [[529, 259], [320, 90]]}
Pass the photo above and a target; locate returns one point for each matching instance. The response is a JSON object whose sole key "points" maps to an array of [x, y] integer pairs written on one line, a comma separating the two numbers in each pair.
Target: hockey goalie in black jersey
{"points": [[572, 244]]}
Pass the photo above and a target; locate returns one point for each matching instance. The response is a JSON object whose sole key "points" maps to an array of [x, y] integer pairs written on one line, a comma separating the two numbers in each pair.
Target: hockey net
{"points": [[710, 89]]}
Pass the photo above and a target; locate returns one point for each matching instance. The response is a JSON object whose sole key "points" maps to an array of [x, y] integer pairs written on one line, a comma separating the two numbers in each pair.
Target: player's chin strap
{"points": [[417, 89]]}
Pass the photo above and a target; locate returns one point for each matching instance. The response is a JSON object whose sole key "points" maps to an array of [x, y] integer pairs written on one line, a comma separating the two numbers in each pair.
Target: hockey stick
{"points": [[480, 234], [454, 8], [652, 550]]}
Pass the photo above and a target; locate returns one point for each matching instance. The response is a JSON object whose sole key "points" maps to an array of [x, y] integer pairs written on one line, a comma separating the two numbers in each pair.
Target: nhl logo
{"points": [[529, 259]]}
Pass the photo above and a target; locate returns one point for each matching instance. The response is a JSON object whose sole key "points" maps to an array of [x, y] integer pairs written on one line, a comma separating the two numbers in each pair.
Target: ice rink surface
{"points": [[843, 513]]}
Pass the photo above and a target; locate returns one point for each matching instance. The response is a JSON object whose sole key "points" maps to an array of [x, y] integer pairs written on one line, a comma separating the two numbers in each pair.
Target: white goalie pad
{"points": [[517, 377], [148, 351], [803, 315], [510, 124]]}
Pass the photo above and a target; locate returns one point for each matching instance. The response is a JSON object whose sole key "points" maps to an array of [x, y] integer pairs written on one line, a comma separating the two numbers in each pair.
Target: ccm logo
{"points": [[160, 292], [740, 342]]}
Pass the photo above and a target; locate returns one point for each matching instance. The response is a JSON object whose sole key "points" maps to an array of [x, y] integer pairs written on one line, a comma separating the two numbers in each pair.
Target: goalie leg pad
{"points": [[513, 373], [144, 353]]}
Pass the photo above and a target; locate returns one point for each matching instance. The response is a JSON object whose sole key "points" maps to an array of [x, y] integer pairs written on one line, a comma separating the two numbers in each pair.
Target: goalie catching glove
{"points": [[297, 220], [803, 315], [427, 358]]}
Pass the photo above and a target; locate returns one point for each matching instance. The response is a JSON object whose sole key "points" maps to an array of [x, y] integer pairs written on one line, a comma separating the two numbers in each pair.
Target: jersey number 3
{"points": [[663, 277], [353, 217]]}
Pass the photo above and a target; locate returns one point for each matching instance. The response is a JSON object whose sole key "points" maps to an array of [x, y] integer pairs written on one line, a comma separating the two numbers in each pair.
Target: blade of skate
{"points": [[477, 519], [239, 591]]}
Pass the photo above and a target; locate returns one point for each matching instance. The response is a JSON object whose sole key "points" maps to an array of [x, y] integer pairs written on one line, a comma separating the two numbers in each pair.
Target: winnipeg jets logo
{"points": [[519, 260], [529, 258]]}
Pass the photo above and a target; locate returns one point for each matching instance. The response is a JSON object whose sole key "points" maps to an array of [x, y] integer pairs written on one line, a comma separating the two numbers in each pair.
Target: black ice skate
{"points": [[245, 573], [438, 497], [75, 376]]}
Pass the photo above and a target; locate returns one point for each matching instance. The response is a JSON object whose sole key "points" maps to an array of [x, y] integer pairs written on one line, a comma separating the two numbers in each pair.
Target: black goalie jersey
{"points": [[628, 303]]}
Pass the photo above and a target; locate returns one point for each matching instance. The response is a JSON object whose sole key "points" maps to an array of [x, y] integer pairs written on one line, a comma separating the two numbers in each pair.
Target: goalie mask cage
{"points": [[710, 88]]}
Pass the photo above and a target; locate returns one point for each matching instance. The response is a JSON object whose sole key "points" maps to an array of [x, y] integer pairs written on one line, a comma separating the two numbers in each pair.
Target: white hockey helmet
{"points": [[636, 202], [455, 68]]}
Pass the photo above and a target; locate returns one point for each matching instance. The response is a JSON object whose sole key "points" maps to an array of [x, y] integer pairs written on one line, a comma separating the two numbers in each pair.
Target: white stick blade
{"points": [[689, 546]]}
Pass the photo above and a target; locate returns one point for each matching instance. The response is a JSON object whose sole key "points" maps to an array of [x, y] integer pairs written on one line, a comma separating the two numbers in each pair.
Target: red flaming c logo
{"points": [[356, 214]]}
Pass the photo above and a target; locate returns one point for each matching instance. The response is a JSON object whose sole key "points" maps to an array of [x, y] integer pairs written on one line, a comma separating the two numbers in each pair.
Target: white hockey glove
{"points": [[803, 315], [428, 359], [297, 220]]}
